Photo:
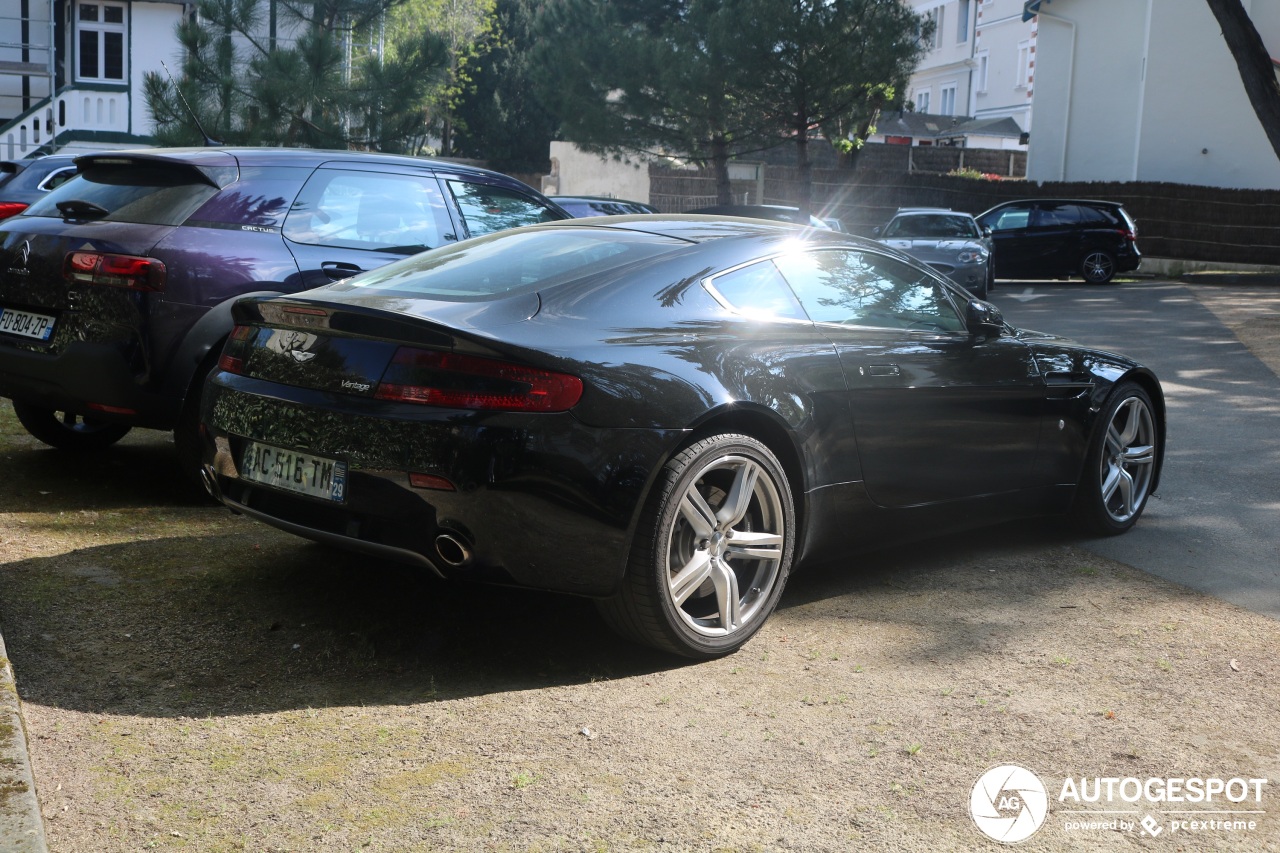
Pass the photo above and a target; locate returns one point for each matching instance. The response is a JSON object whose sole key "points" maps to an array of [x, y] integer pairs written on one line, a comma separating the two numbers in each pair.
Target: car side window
{"points": [[758, 290], [397, 213], [58, 178], [1055, 215], [1094, 216], [1007, 220], [486, 209], [855, 288]]}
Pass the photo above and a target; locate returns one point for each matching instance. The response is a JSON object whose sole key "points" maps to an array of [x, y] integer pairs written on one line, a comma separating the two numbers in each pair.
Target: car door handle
{"points": [[883, 370], [338, 269]]}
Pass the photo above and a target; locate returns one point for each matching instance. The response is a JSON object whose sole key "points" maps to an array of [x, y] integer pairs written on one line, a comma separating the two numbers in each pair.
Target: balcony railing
{"points": [[70, 111]]}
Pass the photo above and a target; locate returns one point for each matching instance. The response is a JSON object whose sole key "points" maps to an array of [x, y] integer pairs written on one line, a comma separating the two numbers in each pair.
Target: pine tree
{"points": [[317, 74]]}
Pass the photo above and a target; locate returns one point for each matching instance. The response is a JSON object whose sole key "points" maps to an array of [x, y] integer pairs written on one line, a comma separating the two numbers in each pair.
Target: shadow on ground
{"points": [[121, 593]]}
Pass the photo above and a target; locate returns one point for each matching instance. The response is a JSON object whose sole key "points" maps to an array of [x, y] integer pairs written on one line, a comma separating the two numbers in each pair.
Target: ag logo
{"points": [[1009, 803]]}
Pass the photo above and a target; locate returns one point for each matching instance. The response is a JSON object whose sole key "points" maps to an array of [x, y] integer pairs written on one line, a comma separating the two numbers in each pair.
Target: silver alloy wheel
{"points": [[725, 549], [1098, 267], [1128, 460]]}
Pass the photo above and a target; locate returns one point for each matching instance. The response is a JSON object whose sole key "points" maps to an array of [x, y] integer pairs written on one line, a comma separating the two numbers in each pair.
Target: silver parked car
{"points": [[949, 241]]}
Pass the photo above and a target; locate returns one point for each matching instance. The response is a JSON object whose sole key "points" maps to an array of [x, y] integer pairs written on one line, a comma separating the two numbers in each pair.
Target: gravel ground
{"points": [[195, 681]]}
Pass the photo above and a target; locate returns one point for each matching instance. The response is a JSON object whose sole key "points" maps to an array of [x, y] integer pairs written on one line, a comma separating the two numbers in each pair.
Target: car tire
{"points": [[186, 433], [66, 431], [1097, 266], [712, 553], [1120, 464], [991, 277]]}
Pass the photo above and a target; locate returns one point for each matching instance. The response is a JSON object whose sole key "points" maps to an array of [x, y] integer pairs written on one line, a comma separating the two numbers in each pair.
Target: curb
{"points": [[21, 828]]}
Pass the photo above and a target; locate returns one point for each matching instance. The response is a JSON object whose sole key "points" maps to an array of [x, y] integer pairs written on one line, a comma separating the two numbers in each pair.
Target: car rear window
{"points": [[148, 193], [259, 200], [511, 262]]}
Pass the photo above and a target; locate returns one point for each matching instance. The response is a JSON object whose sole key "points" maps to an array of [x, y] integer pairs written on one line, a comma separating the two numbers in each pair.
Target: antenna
{"points": [[209, 141]]}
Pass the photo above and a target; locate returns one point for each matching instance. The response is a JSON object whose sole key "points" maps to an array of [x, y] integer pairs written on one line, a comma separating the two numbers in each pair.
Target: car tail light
{"points": [[466, 382], [127, 271], [11, 208], [1127, 234], [233, 353]]}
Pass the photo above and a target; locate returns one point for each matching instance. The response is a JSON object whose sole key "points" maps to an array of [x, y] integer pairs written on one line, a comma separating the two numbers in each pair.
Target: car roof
{"points": [[932, 211], [215, 156], [594, 198], [699, 228], [1057, 201]]}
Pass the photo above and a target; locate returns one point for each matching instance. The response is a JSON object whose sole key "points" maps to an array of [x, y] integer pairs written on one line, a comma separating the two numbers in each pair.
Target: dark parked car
{"points": [[664, 413], [591, 205], [772, 212], [116, 287], [949, 241], [1059, 238], [25, 181]]}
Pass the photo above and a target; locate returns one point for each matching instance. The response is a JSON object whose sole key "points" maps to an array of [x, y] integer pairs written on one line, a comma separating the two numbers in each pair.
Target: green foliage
{"points": [[830, 64], [497, 116], [715, 79], [274, 72]]}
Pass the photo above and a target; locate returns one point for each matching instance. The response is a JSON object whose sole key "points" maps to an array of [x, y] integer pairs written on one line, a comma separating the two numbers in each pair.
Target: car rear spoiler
{"points": [[215, 175]]}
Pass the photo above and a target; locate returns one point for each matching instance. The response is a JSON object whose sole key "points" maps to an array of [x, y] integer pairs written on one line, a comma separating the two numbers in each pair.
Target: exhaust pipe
{"points": [[453, 550], [210, 481]]}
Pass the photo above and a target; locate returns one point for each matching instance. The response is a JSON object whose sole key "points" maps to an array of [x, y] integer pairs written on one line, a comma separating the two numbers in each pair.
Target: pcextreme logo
{"points": [[1010, 804]]}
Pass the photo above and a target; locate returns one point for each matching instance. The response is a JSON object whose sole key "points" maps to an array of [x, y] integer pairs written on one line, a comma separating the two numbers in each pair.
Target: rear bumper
{"points": [[536, 500], [84, 378], [1130, 260]]}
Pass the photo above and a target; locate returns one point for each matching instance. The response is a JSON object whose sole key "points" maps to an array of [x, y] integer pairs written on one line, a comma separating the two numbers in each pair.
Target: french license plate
{"points": [[26, 324], [304, 473]]}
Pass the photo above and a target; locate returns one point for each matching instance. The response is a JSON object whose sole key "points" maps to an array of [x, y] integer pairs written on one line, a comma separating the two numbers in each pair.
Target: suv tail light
{"points": [[467, 382], [107, 270], [11, 208]]}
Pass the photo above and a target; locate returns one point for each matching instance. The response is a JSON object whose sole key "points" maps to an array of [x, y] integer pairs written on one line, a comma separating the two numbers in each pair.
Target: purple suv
{"points": [[116, 288]]}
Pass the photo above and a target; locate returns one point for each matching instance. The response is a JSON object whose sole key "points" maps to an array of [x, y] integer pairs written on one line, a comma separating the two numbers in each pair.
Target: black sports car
{"points": [[665, 413]]}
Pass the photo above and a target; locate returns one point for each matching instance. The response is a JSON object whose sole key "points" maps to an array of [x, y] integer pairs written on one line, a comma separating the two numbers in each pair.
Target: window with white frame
{"points": [[922, 101], [1024, 63], [100, 41], [947, 99], [983, 58], [936, 16], [962, 22]]}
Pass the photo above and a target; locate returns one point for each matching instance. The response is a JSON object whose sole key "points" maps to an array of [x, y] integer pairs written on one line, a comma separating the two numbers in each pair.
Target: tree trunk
{"points": [[720, 165], [1257, 72], [805, 169]]}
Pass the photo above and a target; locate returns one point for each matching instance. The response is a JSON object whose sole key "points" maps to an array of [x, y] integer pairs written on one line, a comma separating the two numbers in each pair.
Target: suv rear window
{"points": [[152, 194]]}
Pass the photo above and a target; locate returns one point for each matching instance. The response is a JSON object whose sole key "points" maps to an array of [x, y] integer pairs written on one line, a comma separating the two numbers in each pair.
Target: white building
{"points": [[1145, 90], [979, 63], [71, 71]]}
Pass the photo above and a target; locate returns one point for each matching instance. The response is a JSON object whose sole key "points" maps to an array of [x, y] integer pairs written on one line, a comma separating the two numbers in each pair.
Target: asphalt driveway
{"points": [[1213, 524]]}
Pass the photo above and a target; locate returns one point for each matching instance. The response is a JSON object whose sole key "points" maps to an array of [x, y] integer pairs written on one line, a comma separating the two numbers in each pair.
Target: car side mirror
{"points": [[986, 231], [984, 319], [875, 232]]}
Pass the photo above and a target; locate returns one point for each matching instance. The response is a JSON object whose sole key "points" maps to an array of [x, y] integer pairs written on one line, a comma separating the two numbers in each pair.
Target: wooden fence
{"points": [[1179, 221]]}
